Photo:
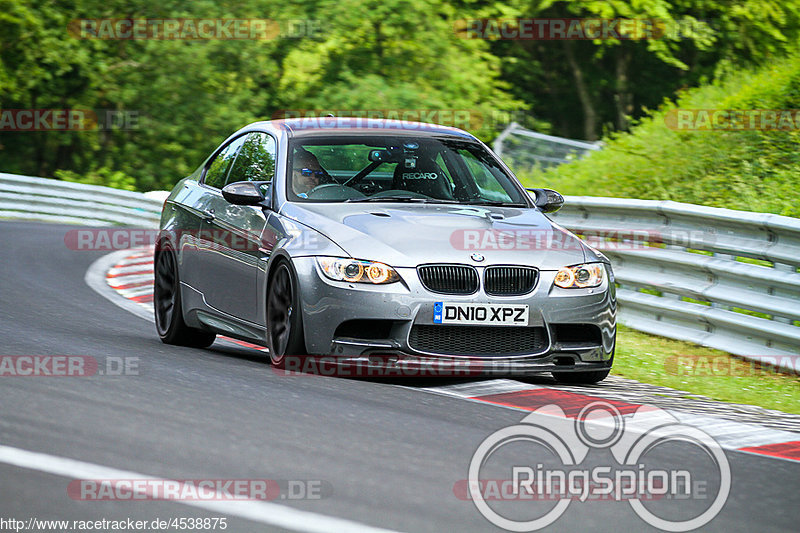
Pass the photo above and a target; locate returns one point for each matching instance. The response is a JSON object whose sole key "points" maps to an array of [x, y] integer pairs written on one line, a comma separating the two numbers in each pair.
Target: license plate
{"points": [[483, 314]]}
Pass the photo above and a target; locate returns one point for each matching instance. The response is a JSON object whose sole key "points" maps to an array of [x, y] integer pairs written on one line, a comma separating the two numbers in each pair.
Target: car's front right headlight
{"points": [[357, 270], [580, 276]]}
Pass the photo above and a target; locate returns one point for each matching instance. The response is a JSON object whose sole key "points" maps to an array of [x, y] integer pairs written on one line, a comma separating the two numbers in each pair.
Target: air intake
{"points": [[449, 279], [509, 280]]}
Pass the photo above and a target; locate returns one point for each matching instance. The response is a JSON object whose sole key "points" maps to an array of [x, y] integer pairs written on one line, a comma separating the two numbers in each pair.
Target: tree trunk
{"points": [[589, 113], [623, 99], [379, 39]]}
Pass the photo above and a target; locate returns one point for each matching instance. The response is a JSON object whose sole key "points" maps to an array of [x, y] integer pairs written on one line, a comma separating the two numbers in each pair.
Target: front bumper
{"points": [[327, 304], [410, 366]]}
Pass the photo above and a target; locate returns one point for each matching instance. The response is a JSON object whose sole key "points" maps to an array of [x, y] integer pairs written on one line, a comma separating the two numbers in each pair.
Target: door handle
{"points": [[208, 215]]}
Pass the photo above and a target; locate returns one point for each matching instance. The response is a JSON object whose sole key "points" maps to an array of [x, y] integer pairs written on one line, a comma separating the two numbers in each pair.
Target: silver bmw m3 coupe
{"points": [[380, 243]]}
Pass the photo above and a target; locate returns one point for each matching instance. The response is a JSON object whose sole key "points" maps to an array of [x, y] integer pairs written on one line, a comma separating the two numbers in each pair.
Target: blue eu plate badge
{"points": [[437, 312]]}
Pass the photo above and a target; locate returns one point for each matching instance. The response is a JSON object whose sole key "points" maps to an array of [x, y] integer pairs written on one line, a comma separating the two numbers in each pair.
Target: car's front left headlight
{"points": [[356, 270], [580, 276]]}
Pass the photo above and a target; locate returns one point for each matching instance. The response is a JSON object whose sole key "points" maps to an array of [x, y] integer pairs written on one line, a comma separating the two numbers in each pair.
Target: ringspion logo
{"points": [[542, 459]]}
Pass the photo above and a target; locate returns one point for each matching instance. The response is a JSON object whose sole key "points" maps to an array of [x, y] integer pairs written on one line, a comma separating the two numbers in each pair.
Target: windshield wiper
{"points": [[496, 203], [400, 199], [384, 199]]}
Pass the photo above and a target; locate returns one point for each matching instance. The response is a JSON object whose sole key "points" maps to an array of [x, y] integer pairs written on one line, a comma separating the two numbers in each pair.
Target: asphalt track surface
{"points": [[390, 453]]}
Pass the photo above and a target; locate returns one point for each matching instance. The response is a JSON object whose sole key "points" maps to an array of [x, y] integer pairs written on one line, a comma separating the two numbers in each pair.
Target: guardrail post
{"points": [[783, 267], [728, 257]]}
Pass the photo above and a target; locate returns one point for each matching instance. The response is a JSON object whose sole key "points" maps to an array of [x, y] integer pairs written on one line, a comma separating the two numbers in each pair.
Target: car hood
{"points": [[408, 235]]}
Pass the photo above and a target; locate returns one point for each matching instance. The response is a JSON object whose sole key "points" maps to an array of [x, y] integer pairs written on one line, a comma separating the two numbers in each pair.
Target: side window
{"points": [[218, 169], [255, 161]]}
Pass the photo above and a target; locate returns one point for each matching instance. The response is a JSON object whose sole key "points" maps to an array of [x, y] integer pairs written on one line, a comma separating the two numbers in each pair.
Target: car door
{"points": [[232, 234], [195, 200]]}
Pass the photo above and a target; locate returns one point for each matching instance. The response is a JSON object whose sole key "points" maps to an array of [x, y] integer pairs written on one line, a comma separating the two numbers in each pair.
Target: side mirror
{"points": [[547, 200], [246, 192]]}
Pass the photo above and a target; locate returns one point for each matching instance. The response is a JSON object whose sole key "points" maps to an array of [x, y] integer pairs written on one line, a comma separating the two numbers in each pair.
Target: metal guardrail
{"points": [[52, 200], [687, 272], [521, 147]]}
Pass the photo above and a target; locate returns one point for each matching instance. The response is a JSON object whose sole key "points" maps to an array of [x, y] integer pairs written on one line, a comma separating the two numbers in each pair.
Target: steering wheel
{"points": [[321, 187], [333, 191], [400, 192]]}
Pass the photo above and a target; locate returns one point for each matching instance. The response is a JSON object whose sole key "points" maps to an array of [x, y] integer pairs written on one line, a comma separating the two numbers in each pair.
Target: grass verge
{"points": [[703, 371]]}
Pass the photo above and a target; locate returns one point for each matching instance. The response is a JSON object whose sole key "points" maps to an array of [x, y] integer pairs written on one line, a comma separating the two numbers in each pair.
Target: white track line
{"points": [[127, 270], [267, 513], [257, 511], [96, 279]]}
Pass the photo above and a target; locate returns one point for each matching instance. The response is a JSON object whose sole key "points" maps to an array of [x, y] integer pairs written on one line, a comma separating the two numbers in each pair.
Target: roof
{"points": [[309, 126]]}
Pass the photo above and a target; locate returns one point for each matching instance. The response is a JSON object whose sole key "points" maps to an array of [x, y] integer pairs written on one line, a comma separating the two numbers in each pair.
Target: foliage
{"points": [[187, 96], [753, 170], [102, 176]]}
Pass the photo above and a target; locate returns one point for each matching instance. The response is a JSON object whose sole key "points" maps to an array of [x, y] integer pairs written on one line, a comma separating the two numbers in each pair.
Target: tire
{"points": [[588, 377], [168, 307], [284, 319]]}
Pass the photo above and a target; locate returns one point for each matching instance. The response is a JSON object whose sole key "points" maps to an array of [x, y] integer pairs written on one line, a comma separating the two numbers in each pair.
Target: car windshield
{"points": [[398, 169]]}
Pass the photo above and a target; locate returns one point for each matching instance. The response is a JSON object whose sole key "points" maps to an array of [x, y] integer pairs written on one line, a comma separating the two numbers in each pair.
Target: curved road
{"points": [[387, 454]]}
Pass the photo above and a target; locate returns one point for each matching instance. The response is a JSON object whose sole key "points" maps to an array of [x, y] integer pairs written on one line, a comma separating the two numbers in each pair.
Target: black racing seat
{"points": [[425, 177]]}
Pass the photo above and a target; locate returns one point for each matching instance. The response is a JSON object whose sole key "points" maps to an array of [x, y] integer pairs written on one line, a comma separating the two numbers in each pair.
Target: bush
{"points": [[747, 170], [102, 176]]}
